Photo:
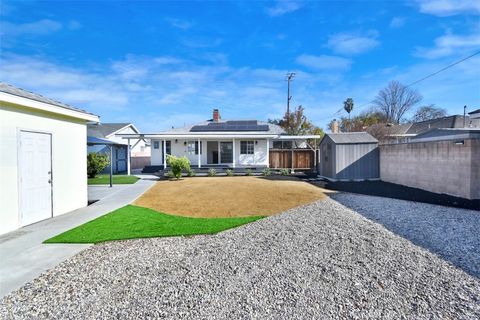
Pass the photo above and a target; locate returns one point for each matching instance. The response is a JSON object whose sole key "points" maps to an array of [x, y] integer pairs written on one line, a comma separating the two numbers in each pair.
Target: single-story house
{"points": [[43, 157], [349, 156], [218, 143], [475, 114], [139, 148], [402, 133]]}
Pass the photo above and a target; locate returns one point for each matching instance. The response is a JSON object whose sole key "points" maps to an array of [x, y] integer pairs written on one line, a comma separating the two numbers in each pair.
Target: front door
{"points": [[35, 176], [226, 152]]}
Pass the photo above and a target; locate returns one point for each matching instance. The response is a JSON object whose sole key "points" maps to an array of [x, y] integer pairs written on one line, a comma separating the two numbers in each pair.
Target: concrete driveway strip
{"points": [[24, 257]]}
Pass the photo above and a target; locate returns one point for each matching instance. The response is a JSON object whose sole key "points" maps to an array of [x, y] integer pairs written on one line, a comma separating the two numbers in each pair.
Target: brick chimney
{"points": [[335, 126], [216, 115]]}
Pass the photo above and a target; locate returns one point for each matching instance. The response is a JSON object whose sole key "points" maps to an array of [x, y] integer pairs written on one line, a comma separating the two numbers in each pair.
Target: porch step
{"points": [[151, 169]]}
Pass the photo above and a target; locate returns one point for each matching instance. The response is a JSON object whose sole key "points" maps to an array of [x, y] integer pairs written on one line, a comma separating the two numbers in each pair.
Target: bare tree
{"points": [[395, 100], [429, 112]]}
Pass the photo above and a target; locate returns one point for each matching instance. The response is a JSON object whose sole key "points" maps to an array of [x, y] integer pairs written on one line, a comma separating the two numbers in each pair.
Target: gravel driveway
{"points": [[317, 261], [452, 233]]}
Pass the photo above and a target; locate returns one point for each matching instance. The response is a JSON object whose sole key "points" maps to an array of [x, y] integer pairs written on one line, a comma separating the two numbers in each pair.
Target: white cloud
{"points": [[41, 27], [72, 86], [445, 8], [351, 44], [179, 23], [283, 7], [397, 22], [324, 62], [74, 25], [450, 44]]}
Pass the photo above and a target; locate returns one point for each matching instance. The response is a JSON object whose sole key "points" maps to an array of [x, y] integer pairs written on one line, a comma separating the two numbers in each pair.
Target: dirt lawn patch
{"points": [[229, 196]]}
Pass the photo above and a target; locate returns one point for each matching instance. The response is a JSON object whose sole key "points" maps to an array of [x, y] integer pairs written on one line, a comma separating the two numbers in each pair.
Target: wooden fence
{"points": [[139, 162], [302, 159]]}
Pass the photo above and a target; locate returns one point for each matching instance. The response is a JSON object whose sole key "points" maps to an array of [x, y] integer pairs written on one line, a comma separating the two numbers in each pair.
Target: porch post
{"points": [[111, 165], [268, 153], [128, 157], [199, 154], [164, 154], [293, 169], [233, 151]]}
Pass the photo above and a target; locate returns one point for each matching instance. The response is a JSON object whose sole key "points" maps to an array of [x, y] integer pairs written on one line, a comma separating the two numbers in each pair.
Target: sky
{"points": [[160, 64]]}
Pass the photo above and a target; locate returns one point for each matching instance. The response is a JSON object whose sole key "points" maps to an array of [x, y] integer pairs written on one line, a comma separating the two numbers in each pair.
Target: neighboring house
{"points": [[138, 147], [349, 156], [475, 114], [43, 164], [231, 143], [402, 133]]}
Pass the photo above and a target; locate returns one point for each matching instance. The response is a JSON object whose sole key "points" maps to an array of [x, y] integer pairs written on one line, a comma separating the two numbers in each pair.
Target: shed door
{"points": [[35, 165]]}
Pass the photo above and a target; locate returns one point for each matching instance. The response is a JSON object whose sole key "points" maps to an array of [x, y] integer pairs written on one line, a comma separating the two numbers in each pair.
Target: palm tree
{"points": [[348, 106]]}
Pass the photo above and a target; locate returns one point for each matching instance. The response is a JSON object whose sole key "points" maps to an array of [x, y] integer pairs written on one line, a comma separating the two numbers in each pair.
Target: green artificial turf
{"points": [[132, 222], [116, 179]]}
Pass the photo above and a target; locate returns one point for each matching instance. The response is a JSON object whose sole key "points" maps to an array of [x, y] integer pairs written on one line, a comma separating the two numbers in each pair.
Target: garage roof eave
{"points": [[38, 105]]}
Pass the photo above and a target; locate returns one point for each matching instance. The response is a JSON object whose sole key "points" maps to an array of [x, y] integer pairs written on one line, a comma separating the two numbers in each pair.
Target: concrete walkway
{"points": [[24, 257]]}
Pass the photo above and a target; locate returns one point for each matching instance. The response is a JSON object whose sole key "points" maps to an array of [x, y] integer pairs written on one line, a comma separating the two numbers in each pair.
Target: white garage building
{"points": [[43, 167]]}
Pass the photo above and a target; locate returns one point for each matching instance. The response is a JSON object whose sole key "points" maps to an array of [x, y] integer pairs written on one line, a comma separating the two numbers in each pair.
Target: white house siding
{"points": [[68, 161], [179, 149]]}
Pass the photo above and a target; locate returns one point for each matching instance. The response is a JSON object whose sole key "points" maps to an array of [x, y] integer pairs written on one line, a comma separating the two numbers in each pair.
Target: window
{"points": [[247, 147], [192, 147], [142, 148], [168, 147], [156, 144]]}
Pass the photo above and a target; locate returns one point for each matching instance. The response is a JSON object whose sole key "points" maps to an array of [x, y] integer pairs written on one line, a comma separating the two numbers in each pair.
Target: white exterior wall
{"points": [[69, 164], [179, 149]]}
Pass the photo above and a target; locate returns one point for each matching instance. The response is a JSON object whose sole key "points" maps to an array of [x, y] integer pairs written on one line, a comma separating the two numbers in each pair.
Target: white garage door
{"points": [[35, 165]]}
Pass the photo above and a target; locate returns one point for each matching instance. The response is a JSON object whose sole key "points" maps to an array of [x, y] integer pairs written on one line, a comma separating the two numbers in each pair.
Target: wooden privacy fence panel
{"points": [[302, 159], [139, 162]]}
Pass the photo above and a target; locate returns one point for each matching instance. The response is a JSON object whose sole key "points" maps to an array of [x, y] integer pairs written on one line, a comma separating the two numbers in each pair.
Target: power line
{"points": [[419, 80], [443, 69]]}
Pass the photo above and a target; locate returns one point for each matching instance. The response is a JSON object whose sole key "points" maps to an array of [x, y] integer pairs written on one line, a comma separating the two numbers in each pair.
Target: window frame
{"points": [[247, 147]]}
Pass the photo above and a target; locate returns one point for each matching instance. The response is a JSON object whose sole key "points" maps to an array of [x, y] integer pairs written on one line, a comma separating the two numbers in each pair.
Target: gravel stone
{"points": [[322, 260], [452, 233]]}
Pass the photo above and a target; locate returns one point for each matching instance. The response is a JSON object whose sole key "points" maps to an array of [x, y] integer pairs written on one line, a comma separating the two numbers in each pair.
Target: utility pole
{"points": [[464, 116], [290, 76]]}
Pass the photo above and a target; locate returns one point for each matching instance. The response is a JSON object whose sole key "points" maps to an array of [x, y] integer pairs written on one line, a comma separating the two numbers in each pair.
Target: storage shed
{"points": [[43, 152], [349, 156]]}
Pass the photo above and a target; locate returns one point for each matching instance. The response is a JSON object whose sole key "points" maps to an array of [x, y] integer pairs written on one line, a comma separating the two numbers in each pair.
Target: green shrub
{"points": [[267, 172], [285, 172], [178, 164], [96, 162], [212, 172], [249, 172], [229, 172], [191, 173], [170, 175]]}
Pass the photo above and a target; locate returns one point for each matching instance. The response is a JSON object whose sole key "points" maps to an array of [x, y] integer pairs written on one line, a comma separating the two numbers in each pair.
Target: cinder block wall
{"points": [[436, 166]]}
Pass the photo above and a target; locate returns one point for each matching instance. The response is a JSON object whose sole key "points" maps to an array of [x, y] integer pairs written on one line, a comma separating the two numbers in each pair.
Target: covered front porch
{"points": [[213, 153]]}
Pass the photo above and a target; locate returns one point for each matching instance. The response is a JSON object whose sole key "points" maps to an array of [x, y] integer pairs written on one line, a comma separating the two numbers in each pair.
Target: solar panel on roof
{"points": [[236, 125]]}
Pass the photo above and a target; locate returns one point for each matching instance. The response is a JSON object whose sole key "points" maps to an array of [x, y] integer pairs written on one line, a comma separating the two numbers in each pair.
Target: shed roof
{"points": [[7, 88], [351, 137]]}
